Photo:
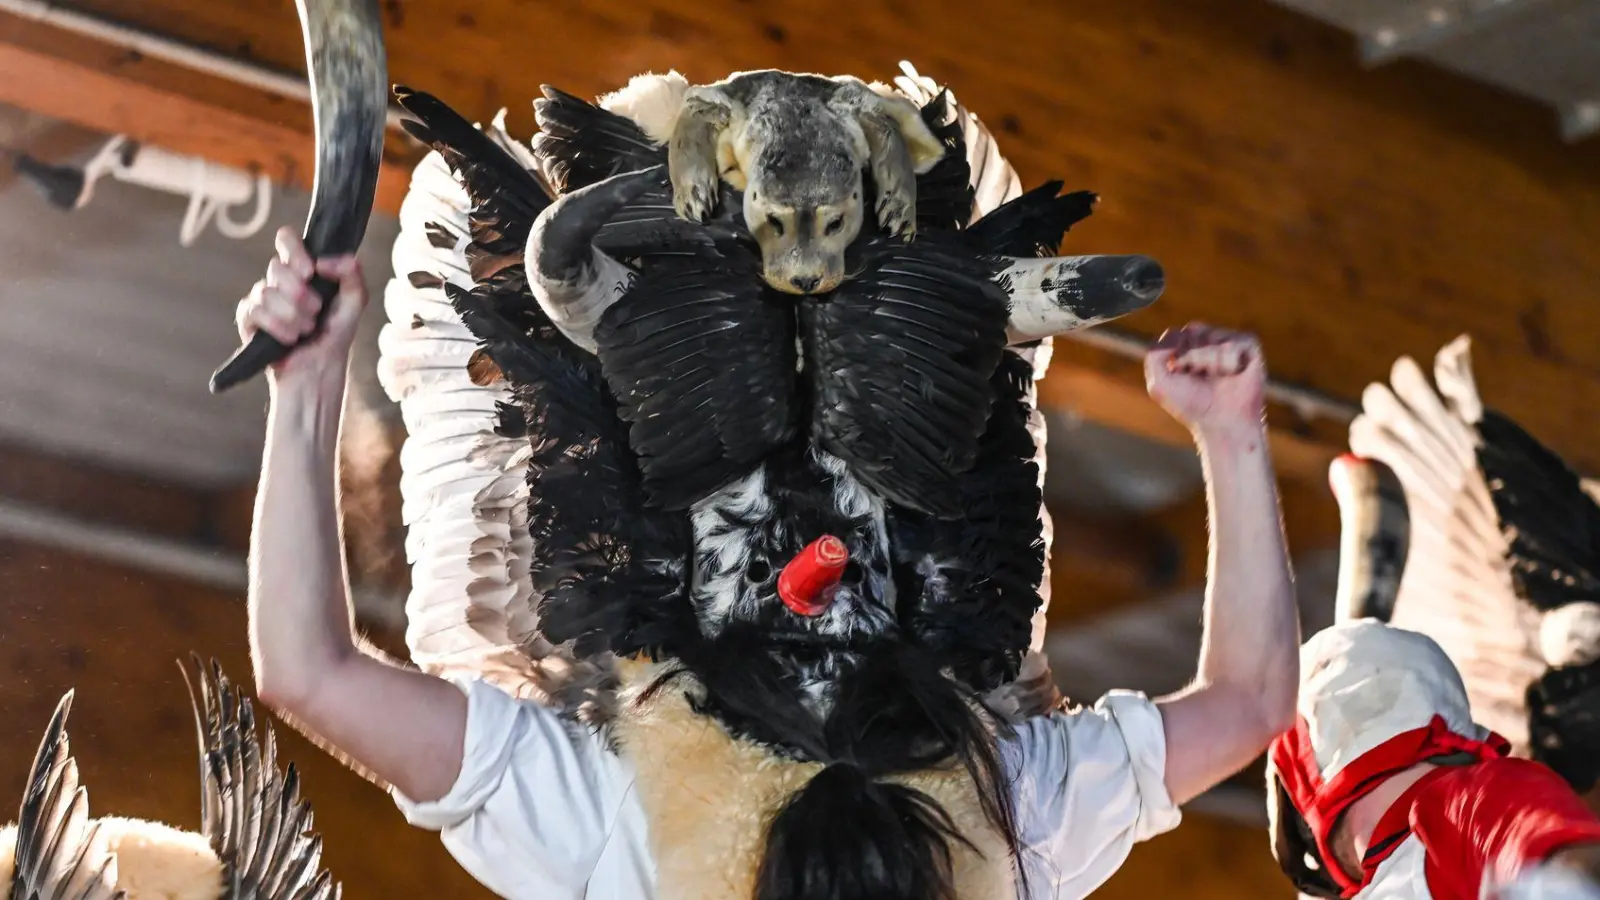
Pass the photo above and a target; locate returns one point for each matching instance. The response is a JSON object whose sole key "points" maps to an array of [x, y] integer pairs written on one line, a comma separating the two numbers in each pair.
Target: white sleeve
{"points": [[536, 798], [1089, 785]]}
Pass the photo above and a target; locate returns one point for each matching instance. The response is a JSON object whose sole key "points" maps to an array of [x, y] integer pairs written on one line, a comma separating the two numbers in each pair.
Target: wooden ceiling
{"points": [[1348, 217]]}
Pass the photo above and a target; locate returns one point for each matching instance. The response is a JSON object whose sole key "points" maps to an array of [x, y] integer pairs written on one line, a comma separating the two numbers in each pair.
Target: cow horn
{"points": [[573, 280], [1065, 293]]}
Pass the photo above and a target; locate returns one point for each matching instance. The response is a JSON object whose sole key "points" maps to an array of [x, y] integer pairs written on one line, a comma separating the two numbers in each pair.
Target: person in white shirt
{"points": [[536, 807]]}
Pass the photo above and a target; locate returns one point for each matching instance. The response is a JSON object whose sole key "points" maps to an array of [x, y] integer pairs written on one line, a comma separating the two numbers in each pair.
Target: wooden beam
{"points": [[114, 634], [1110, 390], [1083, 588], [1285, 189], [79, 80], [100, 496]]}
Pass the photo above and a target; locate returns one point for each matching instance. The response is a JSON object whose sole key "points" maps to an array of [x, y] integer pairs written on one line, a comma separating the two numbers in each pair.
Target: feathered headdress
{"points": [[638, 487]]}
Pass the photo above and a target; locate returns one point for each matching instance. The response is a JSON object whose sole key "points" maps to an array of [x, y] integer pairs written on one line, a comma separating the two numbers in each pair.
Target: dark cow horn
{"points": [[348, 68], [1065, 293]]}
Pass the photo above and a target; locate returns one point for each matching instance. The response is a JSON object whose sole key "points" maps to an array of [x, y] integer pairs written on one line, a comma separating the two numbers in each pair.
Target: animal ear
{"points": [[899, 148], [924, 147]]}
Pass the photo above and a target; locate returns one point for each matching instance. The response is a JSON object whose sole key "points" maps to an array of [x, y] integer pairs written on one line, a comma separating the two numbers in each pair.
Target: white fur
{"points": [[8, 854], [745, 498], [709, 799], [153, 861], [1570, 635], [157, 862], [652, 101]]}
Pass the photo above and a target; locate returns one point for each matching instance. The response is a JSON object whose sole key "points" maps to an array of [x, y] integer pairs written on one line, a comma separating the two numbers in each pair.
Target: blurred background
{"points": [[1353, 180]]}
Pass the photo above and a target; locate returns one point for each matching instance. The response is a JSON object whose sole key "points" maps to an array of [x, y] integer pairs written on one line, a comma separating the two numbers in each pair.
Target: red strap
{"points": [[1321, 803], [1493, 819], [1395, 826]]}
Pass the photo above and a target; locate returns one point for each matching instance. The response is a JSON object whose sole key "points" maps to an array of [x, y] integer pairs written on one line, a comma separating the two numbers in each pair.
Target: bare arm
{"points": [[1244, 691], [407, 727]]}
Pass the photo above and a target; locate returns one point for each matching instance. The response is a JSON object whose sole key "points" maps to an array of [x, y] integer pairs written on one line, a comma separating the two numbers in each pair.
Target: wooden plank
{"points": [[114, 634], [1110, 390], [93, 85], [1346, 216], [95, 494]]}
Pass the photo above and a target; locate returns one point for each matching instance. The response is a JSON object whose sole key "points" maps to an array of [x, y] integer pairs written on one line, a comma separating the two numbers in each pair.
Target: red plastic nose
{"points": [[805, 584]]}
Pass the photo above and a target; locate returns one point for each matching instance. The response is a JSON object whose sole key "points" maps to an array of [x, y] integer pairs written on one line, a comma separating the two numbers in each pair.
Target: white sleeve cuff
{"points": [[1143, 731], [492, 722]]}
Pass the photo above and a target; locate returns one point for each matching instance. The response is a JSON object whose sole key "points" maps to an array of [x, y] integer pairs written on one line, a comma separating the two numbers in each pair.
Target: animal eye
{"points": [[835, 225], [776, 225]]}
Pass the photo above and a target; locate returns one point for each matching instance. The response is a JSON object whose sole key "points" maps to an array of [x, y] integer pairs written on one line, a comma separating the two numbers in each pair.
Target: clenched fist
{"points": [[1208, 378], [285, 306]]}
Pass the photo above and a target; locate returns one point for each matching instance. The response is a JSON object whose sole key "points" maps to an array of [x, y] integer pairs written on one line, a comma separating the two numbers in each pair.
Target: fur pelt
{"points": [[652, 101], [154, 861], [710, 799]]}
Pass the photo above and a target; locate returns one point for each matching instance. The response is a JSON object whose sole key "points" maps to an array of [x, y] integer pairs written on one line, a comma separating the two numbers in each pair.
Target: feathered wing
{"points": [[534, 558], [702, 358], [994, 182], [579, 143], [1456, 586], [57, 856], [464, 477], [901, 356], [250, 810], [1553, 524]]}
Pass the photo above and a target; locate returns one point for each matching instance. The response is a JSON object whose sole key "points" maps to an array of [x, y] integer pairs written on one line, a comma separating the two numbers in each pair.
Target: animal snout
{"points": [[805, 284]]}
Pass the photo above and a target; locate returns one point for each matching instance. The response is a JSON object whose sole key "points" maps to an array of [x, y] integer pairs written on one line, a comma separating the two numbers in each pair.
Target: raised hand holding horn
{"points": [[348, 68]]}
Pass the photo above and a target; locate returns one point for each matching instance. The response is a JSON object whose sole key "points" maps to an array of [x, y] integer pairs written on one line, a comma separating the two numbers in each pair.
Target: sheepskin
{"points": [[708, 799], [154, 861], [652, 101]]}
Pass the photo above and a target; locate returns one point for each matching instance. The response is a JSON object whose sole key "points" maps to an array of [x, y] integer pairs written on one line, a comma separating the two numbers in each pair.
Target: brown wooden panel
{"points": [[1347, 216], [115, 635], [1204, 859], [107, 89], [94, 494]]}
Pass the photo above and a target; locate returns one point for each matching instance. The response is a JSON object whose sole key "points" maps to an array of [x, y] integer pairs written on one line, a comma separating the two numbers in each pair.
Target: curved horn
{"points": [[1066, 293], [347, 64], [1374, 534], [571, 278]]}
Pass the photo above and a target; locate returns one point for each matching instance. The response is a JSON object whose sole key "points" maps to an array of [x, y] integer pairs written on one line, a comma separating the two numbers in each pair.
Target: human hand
{"points": [[284, 305], [1210, 379]]}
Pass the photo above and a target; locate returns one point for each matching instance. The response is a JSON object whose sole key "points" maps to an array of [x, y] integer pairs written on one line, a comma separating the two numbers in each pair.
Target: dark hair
{"points": [[849, 834], [1295, 847]]}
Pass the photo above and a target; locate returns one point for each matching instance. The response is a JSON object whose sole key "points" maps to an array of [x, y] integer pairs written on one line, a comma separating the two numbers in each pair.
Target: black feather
{"points": [[969, 587], [944, 193], [1032, 225], [610, 574], [251, 811], [580, 144], [1552, 525], [51, 857], [702, 359], [900, 356], [1564, 723]]}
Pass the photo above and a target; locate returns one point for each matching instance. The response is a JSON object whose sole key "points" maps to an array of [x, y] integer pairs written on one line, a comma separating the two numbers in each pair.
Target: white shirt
{"points": [[543, 811]]}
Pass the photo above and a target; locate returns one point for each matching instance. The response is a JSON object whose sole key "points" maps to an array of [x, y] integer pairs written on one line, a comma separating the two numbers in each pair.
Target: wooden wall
{"points": [[1346, 216]]}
